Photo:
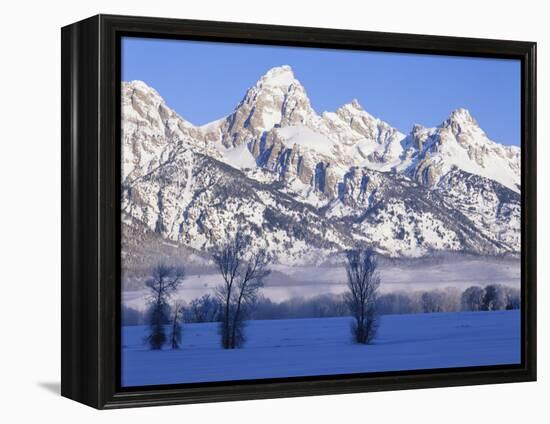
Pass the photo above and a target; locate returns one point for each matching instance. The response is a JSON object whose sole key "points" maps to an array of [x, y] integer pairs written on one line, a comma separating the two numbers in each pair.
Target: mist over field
{"points": [[287, 282]]}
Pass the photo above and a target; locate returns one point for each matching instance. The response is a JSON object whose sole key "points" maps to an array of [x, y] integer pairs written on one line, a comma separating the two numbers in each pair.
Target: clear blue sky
{"points": [[204, 81]]}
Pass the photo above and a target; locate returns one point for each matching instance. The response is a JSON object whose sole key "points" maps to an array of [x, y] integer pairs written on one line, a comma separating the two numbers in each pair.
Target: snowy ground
{"points": [[322, 346], [286, 282]]}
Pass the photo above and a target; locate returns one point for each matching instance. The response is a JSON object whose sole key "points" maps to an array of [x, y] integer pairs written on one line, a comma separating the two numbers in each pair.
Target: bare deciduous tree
{"points": [[164, 280], [396, 303], [243, 271], [176, 329], [432, 301], [494, 298], [204, 309], [363, 283], [472, 298], [513, 298]]}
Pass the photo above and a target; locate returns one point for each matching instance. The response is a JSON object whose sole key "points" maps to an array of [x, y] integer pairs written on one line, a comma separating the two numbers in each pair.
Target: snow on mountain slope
{"points": [[277, 98], [402, 218], [300, 135], [276, 120], [494, 209], [311, 185], [197, 201], [459, 142], [369, 141], [239, 157], [148, 126]]}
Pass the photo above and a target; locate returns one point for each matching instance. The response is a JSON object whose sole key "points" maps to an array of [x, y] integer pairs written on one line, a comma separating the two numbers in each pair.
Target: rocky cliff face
{"points": [[284, 134], [149, 126], [308, 185], [277, 99]]}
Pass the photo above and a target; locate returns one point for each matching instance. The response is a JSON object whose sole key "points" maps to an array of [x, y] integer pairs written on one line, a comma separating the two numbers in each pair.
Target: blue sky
{"points": [[204, 81]]}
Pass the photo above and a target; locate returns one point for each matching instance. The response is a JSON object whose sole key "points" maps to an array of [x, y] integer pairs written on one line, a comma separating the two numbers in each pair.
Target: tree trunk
{"points": [[235, 320], [226, 320]]}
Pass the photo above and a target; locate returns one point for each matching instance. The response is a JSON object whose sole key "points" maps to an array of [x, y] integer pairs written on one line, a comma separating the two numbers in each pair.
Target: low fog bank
{"points": [[285, 283], [494, 297]]}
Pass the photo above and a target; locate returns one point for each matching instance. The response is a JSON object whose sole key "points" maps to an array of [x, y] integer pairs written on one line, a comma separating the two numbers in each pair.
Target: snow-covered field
{"points": [[323, 346]]}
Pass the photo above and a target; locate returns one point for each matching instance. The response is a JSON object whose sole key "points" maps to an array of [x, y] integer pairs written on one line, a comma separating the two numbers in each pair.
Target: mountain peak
{"points": [[352, 107], [355, 104], [279, 76], [461, 116], [140, 86], [137, 83]]}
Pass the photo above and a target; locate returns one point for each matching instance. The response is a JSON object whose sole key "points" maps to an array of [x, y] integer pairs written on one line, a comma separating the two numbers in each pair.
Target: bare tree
{"points": [[176, 329], [243, 271], [204, 309], [164, 280], [494, 298], [396, 303], [433, 301], [229, 261], [513, 298], [363, 283], [472, 298]]}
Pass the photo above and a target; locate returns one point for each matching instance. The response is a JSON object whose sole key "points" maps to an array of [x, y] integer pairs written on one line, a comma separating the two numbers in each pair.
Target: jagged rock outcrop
{"points": [[309, 186]]}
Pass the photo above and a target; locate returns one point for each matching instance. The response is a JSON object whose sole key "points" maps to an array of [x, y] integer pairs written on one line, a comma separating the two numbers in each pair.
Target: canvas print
{"points": [[291, 212]]}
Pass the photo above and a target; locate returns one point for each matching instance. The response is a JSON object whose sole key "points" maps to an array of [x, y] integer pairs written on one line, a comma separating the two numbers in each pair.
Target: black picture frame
{"points": [[91, 209]]}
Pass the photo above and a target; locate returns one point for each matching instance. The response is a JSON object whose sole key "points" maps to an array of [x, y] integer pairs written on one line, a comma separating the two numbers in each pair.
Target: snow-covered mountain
{"points": [[431, 153], [309, 185]]}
